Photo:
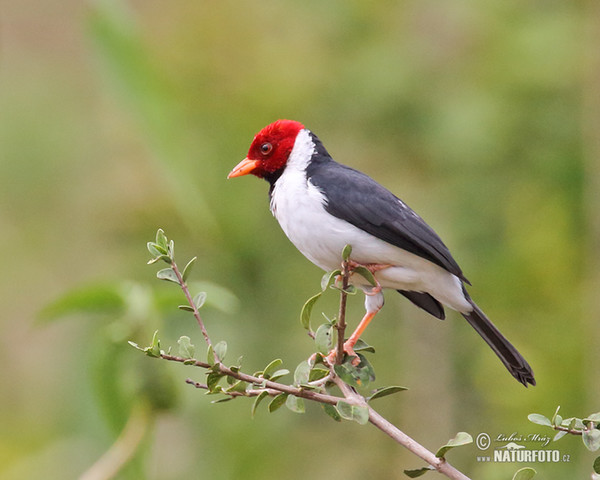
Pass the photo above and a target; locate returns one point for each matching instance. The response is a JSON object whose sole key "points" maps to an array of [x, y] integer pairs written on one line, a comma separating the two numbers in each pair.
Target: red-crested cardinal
{"points": [[322, 206]]}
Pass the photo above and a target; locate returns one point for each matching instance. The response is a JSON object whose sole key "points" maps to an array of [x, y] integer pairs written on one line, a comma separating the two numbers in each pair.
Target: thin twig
{"points": [[340, 326], [188, 297], [265, 384]]}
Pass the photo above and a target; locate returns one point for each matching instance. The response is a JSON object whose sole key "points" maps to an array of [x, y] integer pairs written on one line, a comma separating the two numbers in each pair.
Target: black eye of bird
{"points": [[266, 148]]}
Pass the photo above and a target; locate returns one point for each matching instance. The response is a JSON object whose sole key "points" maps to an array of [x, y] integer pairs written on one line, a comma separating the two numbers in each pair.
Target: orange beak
{"points": [[245, 167]]}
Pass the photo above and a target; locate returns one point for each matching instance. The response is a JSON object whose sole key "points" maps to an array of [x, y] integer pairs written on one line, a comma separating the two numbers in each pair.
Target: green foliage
{"points": [[588, 427], [461, 438], [327, 281], [526, 473], [385, 391], [357, 413], [186, 349], [418, 472]]}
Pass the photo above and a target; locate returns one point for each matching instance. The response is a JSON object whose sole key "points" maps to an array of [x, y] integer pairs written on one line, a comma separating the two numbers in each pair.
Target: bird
{"points": [[322, 206]]}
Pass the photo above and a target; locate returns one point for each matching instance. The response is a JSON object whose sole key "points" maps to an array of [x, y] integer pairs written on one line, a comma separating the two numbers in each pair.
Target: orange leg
{"points": [[373, 302]]}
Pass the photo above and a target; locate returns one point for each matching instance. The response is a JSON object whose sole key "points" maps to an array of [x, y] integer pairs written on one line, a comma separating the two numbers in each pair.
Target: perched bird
{"points": [[322, 206]]}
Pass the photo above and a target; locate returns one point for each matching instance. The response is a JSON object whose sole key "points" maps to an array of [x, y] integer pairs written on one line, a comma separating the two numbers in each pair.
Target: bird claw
{"points": [[348, 350]]}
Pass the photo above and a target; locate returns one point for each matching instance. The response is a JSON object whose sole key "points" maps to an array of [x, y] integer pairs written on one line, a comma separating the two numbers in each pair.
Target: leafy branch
{"points": [[588, 428], [312, 379]]}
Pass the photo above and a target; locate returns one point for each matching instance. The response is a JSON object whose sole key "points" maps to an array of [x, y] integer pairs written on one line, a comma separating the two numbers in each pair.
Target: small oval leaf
{"points": [[277, 402], [188, 269], [307, 310], [461, 438], [591, 439], [302, 373], [199, 300], [186, 349], [271, 367], [418, 472], [331, 411], [221, 350], [525, 473], [261, 396], [366, 274], [539, 419], [167, 274], [385, 391], [295, 404], [329, 279], [324, 338]]}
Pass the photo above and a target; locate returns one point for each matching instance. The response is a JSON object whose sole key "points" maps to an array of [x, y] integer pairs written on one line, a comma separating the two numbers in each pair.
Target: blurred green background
{"points": [[121, 117]]}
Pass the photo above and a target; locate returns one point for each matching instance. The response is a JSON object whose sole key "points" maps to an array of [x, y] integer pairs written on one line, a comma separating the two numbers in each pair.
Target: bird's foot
{"points": [[348, 350]]}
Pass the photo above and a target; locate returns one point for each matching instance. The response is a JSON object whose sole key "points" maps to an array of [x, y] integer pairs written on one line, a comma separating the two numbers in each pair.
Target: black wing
{"points": [[358, 199]]}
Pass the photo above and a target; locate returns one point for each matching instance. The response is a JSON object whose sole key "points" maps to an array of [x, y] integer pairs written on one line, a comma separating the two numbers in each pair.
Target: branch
{"points": [[314, 391]]}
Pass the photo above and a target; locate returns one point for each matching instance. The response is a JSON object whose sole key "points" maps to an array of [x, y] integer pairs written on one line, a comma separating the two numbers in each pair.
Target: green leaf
{"points": [[161, 239], [223, 400], [539, 419], [277, 402], [358, 413], [295, 404], [221, 350], [155, 249], [329, 279], [188, 269], [346, 252], [167, 274], [559, 435], [385, 391], [525, 473], [210, 355], [154, 349], [594, 417], [279, 373], [307, 310], [317, 374], [185, 308], [553, 421], [558, 420], [324, 338], [135, 345], [418, 472], [212, 380], [186, 349], [591, 439], [332, 412], [362, 346], [199, 300], [261, 396], [302, 373], [461, 438], [597, 465], [356, 375], [271, 367], [366, 274], [238, 386]]}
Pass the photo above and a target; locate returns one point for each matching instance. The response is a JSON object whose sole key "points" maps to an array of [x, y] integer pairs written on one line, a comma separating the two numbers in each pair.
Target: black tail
{"points": [[511, 358]]}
